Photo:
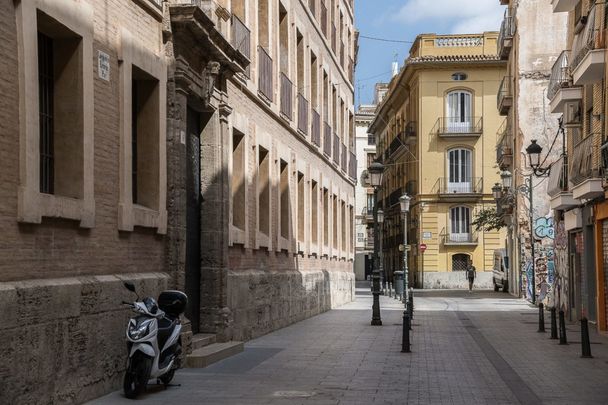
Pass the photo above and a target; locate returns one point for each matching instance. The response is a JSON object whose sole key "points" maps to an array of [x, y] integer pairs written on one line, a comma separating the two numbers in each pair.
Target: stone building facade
{"points": [[531, 40], [164, 142], [366, 154], [577, 182], [80, 213], [436, 133]]}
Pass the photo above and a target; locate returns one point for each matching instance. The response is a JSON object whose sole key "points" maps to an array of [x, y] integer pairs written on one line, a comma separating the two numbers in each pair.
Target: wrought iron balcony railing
{"points": [[336, 149], [457, 187], [410, 132], [302, 114], [505, 36], [560, 75], [558, 177], [344, 159], [352, 166], [327, 140], [458, 238], [504, 146], [264, 73], [311, 6], [583, 166], [504, 98], [315, 128], [589, 39], [286, 96], [458, 126], [241, 37]]}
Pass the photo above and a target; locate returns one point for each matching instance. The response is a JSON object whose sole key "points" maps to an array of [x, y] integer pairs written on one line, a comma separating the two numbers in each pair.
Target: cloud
{"points": [[462, 16]]}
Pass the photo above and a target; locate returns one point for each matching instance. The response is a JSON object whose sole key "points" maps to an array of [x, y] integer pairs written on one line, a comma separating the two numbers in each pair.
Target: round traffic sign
{"points": [[422, 247]]}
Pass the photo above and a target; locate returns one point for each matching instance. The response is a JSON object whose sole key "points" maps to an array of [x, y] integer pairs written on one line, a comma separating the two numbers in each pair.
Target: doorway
{"points": [[193, 218]]}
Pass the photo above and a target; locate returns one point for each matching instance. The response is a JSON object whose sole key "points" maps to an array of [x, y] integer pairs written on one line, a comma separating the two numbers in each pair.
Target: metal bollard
{"points": [[411, 304], [541, 318], [563, 340], [586, 344], [553, 323], [405, 343]]}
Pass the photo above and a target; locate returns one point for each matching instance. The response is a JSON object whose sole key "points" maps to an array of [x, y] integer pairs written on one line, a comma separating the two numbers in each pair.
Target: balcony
{"points": [[315, 128], [410, 133], [333, 38], [264, 74], [505, 37], [327, 140], [336, 149], [352, 166], [302, 114], [584, 172], [286, 96], [458, 127], [504, 147], [463, 190], [324, 18], [558, 188], [561, 90], [396, 144], [344, 159], [588, 53], [458, 239], [562, 6], [241, 39], [504, 98]]}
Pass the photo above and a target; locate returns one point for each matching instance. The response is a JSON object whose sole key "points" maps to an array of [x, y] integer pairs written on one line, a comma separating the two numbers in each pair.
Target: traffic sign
{"points": [[422, 247]]}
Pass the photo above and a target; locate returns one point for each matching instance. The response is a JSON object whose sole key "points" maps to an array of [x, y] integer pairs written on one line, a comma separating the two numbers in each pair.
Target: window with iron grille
{"points": [[46, 94]]}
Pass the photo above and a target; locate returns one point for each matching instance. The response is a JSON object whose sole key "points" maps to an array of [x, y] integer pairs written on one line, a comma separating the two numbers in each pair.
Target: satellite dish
{"points": [[365, 178]]}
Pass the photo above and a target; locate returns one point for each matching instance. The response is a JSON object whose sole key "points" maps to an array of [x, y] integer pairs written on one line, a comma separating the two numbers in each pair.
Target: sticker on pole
{"points": [[422, 247]]}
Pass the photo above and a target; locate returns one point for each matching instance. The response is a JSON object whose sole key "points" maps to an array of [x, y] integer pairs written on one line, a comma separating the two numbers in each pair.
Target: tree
{"points": [[488, 219]]}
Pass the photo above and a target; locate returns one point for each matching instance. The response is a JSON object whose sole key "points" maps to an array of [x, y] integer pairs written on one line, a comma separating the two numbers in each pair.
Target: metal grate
{"points": [[134, 111], [46, 78]]}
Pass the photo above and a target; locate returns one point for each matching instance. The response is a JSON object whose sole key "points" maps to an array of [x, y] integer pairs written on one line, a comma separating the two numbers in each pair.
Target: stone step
{"points": [[213, 353], [202, 339]]}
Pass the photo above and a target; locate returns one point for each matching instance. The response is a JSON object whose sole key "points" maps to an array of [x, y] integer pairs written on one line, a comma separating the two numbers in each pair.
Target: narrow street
{"points": [[479, 348]]}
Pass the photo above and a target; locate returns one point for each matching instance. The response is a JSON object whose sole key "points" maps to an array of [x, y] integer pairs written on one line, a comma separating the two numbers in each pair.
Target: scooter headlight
{"points": [[137, 331]]}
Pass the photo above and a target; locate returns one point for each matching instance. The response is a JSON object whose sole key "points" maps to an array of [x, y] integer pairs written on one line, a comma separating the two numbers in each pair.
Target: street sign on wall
{"points": [[427, 235]]}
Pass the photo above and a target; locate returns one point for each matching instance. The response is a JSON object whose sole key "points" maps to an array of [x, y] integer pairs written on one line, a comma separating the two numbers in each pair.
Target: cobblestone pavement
{"points": [[479, 348]]}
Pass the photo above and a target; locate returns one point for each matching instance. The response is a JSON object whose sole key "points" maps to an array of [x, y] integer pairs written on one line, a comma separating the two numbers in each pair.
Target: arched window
{"points": [[460, 224], [460, 262], [460, 171], [459, 107]]}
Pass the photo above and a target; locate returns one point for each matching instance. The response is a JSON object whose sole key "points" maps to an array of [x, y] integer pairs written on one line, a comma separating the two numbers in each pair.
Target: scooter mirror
{"points": [[129, 286]]}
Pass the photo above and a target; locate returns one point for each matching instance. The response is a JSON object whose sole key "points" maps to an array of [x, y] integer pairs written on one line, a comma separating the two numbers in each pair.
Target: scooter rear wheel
{"points": [[137, 375]]}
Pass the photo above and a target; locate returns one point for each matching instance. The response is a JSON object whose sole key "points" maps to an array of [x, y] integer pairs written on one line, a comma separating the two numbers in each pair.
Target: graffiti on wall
{"points": [[560, 286], [543, 270]]}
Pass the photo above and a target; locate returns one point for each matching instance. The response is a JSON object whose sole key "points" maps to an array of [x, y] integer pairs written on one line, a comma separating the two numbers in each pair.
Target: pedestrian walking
{"points": [[471, 274]]}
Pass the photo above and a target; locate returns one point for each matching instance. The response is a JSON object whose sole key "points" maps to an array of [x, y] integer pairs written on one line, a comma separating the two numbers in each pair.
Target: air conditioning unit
{"points": [[573, 116]]}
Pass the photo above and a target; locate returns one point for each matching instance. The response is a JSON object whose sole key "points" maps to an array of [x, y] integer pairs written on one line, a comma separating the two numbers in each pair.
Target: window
{"points": [[325, 217], [284, 199], [459, 76], [263, 191], [314, 84], [238, 180], [370, 159], [370, 204], [301, 209], [335, 222], [263, 34], [460, 262], [344, 226], [144, 139], [459, 111], [143, 185], [56, 148], [460, 168], [283, 40], [371, 139], [314, 199], [460, 224]]}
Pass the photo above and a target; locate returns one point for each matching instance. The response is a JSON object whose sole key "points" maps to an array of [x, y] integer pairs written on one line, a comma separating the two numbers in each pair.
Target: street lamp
{"points": [[507, 179], [376, 171], [534, 150], [497, 191], [404, 201]]}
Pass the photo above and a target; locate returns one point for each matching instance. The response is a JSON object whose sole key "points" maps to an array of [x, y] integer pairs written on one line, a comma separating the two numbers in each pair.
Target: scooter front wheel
{"points": [[137, 375]]}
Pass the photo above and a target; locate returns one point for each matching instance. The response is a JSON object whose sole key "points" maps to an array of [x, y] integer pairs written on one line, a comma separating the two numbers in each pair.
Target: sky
{"points": [[402, 20]]}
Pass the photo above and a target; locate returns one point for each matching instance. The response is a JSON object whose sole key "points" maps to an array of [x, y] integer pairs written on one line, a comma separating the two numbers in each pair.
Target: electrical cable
{"points": [[386, 39]]}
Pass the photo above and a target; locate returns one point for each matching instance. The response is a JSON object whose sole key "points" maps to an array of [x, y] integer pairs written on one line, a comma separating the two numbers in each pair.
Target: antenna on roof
{"points": [[395, 65]]}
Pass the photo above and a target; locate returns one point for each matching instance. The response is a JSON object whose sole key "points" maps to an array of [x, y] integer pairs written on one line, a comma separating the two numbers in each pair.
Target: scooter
{"points": [[153, 340]]}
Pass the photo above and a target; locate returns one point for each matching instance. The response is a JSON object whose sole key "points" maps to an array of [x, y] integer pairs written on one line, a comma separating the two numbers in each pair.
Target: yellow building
{"points": [[436, 135]]}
